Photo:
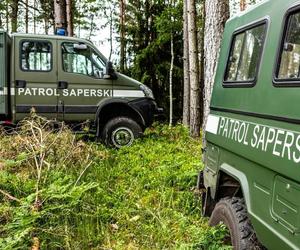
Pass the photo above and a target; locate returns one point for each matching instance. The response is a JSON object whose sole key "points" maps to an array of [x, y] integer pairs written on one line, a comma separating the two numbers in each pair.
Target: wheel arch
{"points": [[237, 177], [229, 183], [113, 108]]}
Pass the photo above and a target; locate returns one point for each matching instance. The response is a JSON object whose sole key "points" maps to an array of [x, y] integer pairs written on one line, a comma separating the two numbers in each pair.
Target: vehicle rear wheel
{"points": [[120, 132], [233, 213]]}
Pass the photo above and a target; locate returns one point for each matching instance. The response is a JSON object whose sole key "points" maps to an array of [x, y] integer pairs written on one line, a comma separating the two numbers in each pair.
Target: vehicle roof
{"points": [[56, 37], [262, 10], [252, 8]]}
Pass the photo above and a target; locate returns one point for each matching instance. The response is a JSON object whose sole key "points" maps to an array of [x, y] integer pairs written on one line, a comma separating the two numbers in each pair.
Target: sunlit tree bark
{"points": [[195, 112], [216, 14]]}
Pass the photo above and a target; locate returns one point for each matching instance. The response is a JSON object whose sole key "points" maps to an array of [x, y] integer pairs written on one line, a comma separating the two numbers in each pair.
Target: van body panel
{"points": [[256, 129], [4, 61], [34, 88], [89, 89], [36, 79]]}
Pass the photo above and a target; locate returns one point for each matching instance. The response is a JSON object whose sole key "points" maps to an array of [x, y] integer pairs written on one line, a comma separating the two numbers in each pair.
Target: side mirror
{"points": [[80, 46], [110, 71], [109, 68]]}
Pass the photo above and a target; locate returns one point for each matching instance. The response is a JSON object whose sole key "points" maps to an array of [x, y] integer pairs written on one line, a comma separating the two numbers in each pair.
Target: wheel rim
{"points": [[122, 137]]}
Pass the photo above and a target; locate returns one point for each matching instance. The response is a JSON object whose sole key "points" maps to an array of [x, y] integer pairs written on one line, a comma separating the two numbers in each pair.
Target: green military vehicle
{"points": [[68, 79], [251, 179]]}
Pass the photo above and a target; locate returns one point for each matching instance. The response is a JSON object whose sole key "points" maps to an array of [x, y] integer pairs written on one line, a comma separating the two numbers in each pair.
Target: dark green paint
{"points": [[270, 183], [84, 93]]}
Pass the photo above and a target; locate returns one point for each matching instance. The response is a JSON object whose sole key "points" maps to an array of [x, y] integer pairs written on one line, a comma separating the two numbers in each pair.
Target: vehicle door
{"points": [[3, 73], [82, 83], [35, 77]]}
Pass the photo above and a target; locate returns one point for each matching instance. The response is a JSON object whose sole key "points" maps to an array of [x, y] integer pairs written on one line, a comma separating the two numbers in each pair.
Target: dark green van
{"points": [[68, 79], [251, 179]]}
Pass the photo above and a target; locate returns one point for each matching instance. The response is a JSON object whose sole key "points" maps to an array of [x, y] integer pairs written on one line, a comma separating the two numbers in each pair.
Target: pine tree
{"points": [[216, 15], [60, 14], [195, 112]]}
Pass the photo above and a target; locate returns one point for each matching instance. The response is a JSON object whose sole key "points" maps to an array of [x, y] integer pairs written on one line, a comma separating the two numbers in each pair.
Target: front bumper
{"points": [[147, 108]]}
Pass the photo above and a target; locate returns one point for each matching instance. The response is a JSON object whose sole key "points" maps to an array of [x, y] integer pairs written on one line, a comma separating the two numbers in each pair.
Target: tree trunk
{"points": [[7, 16], [171, 80], [111, 23], [70, 24], [186, 73], [34, 16], [60, 14], [14, 15], [216, 14], [26, 17], [122, 36], [46, 23], [201, 59], [243, 5], [195, 111], [91, 27]]}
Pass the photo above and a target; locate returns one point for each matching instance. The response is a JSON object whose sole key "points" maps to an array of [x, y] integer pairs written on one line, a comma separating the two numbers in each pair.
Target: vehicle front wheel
{"points": [[233, 213], [120, 132]]}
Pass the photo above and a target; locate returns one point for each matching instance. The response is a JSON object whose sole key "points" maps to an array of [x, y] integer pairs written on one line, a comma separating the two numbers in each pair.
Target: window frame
{"points": [[92, 61], [41, 41], [245, 84], [288, 82]]}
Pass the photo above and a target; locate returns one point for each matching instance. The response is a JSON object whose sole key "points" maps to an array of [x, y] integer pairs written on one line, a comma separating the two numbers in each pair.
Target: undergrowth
{"points": [[61, 192]]}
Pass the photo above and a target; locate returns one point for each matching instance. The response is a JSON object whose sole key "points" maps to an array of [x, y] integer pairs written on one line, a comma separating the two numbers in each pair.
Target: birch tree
{"points": [[195, 111], [216, 14], [186, 73], [171, 67]]}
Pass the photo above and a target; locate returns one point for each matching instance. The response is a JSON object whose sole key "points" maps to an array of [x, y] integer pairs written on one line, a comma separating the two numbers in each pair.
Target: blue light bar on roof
{"points": [[61, 32]]}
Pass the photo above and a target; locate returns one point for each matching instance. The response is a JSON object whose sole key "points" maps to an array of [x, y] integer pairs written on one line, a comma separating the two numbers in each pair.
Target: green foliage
{"points": [[90, 197]]}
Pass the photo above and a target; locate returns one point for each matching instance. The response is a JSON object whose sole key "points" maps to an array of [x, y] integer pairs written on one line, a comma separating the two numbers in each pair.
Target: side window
{"points": [[81, 59], [36, 56], [245, 55], [289, 62]]}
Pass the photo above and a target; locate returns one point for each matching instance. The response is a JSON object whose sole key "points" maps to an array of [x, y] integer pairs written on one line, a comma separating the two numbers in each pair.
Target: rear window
{"points": [[289, 61], [245, 54]]}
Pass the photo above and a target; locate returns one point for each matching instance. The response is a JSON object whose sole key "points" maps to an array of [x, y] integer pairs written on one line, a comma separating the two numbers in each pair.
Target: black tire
{"points": [[233, 213], [121, 131]]}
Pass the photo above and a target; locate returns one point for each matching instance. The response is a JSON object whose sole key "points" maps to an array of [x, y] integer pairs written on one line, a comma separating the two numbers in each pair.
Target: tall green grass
{"points": [[60, 192]]}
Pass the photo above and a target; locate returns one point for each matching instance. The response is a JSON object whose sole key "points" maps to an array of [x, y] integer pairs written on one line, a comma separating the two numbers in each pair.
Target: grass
{"points": [[60, 192]]}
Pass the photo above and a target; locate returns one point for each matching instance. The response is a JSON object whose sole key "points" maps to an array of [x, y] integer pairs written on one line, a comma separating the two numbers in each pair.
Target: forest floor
{"points": [[58, 191]]}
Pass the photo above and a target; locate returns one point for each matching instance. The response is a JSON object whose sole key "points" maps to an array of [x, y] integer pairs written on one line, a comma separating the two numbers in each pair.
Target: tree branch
{"points": [[28, 6], [10, 197]]}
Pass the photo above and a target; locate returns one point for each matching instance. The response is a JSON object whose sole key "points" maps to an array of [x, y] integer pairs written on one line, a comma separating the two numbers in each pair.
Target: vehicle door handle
{"points": [[62, 85], [21, 84]]}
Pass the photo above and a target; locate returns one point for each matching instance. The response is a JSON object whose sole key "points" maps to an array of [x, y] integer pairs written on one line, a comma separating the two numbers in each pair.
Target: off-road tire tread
{"points": [[246, 234], [120, 121]]}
